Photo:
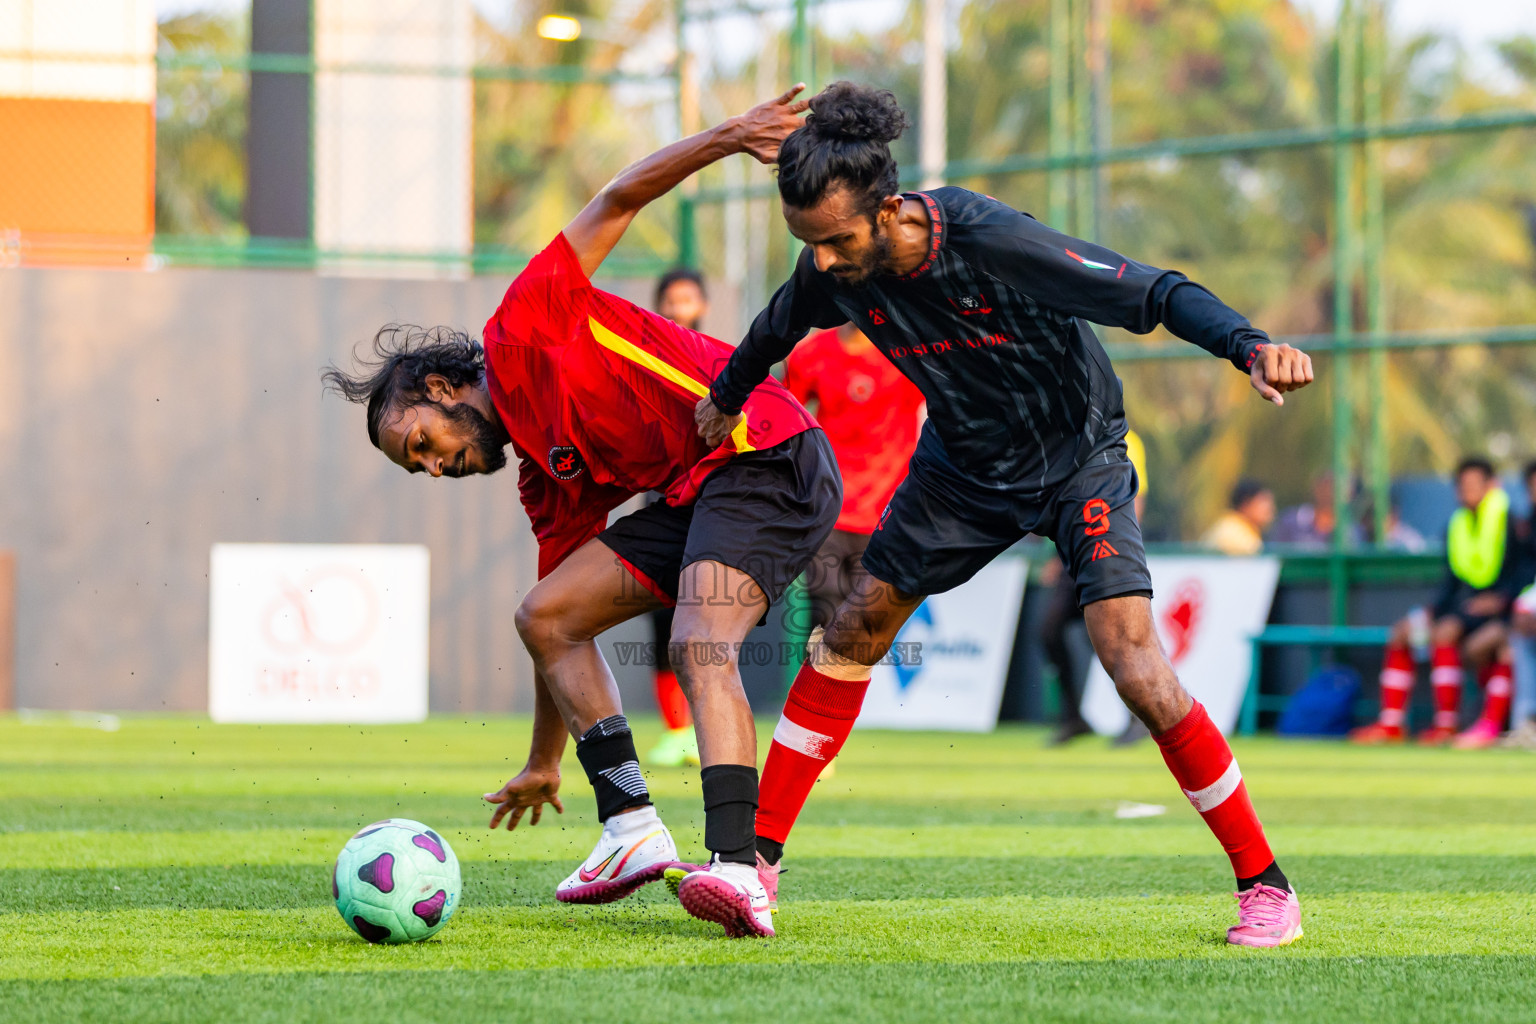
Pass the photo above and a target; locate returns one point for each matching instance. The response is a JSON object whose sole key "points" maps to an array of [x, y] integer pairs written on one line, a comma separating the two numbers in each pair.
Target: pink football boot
{"points": [[731, 895], [1266, 917], [1482, 733]]}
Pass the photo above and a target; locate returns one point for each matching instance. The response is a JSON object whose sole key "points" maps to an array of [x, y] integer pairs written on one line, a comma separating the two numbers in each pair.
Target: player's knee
{"points": [[537, 621], [695, 656], [851, 638], [1446, 632]]}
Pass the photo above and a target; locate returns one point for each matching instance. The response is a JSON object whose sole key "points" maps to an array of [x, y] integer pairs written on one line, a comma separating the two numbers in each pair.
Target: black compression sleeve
{"points": [[800, 304], [749, 364], [1194, 314]]}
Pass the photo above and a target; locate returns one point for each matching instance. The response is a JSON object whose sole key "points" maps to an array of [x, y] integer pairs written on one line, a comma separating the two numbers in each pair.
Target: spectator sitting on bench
{"points": [[1240, 529], [1485, 567]]}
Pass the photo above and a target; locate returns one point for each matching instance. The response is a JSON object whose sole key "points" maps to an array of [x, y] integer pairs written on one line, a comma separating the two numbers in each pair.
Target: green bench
{"points": [[1311, 637]]}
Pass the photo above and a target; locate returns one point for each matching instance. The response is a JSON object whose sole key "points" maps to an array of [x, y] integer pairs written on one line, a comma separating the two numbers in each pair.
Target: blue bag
{"points": [[1324, 706]]}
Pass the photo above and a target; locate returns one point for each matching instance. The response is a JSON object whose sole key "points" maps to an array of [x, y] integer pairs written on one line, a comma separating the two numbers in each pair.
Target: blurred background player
{"points": [[681, 298], [1240, 529], [1064, 614], [1522, 643], [872, 415], [1486, 567]]}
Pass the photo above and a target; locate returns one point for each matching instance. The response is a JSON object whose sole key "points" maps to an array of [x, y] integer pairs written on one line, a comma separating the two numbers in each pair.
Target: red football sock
{"points": [[670, 700], [818, 716], [1497, 696], [1445, 674], [1396, 685], [1202, 763]]}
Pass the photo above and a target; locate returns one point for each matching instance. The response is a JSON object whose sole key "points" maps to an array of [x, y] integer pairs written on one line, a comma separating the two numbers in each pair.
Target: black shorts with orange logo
{"points": [[764, 513], [942, 526]]}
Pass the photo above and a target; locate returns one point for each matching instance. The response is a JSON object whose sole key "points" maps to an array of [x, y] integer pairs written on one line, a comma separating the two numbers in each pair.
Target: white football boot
{"points": [[634, 849], [731, 895]]}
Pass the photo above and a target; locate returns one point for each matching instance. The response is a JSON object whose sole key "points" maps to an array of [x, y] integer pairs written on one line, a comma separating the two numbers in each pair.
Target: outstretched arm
{"points": [[602, 222], [1086, 280]]}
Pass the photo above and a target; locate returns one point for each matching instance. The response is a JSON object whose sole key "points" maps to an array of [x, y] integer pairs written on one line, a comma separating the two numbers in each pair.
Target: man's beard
{"points": [[871, 262], [485, 437]]}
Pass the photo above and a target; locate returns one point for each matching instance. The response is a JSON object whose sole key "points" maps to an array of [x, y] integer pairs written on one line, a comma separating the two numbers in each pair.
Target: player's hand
{"points": [[529, 788], [1484, 605], [714, 425], [761, 129], [1280, 368]]}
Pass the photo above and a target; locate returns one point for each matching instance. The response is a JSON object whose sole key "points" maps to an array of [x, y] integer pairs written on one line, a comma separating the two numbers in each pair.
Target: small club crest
{"points": [[971, 305], [565, 462]]}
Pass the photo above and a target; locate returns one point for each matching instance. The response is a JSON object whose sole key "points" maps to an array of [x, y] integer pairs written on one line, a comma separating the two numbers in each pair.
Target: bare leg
{"points": [[717, 606], [1485, 644], [559, 621], [1125, 640], [868, 620]]}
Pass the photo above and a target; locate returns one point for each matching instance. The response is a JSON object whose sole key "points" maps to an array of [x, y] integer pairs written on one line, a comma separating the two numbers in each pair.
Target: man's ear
{"points": [[890, 209], [438, 389]]}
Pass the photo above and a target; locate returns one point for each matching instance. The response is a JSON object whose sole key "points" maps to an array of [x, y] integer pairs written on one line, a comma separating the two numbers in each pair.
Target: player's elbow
{"points": [[619, 199]]}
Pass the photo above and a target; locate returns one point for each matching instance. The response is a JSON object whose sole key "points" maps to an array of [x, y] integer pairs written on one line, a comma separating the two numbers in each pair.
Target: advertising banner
{"points": [[1206, 609], [950, 660], [318, 633]]}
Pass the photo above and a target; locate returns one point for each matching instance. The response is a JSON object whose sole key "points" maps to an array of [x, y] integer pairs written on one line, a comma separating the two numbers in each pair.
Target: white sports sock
{"points": [[641, 819]]}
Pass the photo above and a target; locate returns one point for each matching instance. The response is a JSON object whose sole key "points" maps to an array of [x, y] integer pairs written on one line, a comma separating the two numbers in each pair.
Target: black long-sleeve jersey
{"points": [[990, 328]]}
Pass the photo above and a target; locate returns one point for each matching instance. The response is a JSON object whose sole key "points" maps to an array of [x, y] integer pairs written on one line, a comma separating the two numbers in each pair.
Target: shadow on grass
{"points": [[1283, 987]]}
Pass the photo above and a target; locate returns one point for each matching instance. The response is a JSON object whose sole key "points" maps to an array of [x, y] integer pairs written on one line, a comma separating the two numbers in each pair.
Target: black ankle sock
{"points": [[1271, 876], [730, 811], [607, 752], [771, 849]]}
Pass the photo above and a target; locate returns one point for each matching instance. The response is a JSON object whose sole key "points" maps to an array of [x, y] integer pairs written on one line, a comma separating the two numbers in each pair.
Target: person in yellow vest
{"points": [[1063, 611], [1469, 618]]}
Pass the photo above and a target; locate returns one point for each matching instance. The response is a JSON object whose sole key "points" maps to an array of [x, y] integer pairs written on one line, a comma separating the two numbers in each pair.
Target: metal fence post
{"points": [[1375, 285], [1348, 38]]}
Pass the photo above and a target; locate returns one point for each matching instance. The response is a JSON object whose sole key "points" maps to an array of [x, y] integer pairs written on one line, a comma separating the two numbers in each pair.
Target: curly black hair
{"points": [[844, 143], [396, 377]]}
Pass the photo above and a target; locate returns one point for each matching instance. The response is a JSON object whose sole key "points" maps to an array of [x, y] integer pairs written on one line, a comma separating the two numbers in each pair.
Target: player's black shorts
{"points": [[942, 525], [764, 513]]}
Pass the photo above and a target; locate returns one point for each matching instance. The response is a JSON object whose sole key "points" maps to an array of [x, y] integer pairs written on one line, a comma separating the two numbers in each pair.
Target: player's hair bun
{"points": [[844, 110], [845, 143]]}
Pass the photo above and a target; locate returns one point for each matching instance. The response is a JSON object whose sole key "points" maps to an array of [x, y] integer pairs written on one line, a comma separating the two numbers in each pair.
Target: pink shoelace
{"points": [[1263, 906]]}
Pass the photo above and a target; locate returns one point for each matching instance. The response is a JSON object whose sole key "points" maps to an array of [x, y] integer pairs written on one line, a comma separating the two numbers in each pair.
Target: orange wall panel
{"points": [[80, 167]]}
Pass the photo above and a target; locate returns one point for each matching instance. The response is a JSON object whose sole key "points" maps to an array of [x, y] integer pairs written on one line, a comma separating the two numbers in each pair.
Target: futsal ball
{"points": [[396, 881]]}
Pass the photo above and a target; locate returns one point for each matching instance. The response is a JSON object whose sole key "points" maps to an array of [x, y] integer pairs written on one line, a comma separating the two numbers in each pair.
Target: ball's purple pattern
{"points": [[430, 909], [379, 872], [396, 881], [368, 930], [432, 845]]}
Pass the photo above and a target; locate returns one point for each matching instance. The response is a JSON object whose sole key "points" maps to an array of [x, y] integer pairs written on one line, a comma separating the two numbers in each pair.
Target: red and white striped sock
{"points": [[1496, 697], [818, 716], [1396, 685], [1202, 763], [1445, 673], [670, 700]]}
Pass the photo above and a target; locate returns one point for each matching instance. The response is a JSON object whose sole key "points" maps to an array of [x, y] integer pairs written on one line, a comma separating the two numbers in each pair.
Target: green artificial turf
{"points": [[176, 870]]}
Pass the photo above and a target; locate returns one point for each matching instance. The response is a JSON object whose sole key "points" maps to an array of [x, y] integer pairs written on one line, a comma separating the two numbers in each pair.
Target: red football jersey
{"points": [[870, 413], [598, 395]]}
